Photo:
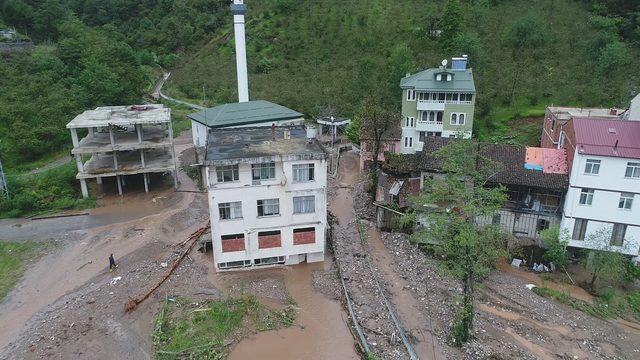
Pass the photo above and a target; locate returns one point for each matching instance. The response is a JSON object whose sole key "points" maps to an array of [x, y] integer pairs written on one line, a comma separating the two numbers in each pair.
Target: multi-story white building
{"points": [[604, 184], [267, 196]]}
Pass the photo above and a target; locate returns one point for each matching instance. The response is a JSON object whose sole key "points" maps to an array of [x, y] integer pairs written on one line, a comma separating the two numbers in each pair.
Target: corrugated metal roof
{"points": [[616, 138], [426, 81], [244, 113]]}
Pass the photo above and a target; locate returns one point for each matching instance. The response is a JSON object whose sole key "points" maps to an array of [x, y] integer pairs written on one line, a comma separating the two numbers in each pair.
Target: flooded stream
{"points": [[319, 332]]}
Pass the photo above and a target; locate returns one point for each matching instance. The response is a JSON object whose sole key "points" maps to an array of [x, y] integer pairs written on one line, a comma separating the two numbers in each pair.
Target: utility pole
{"points": [[3, 183]]}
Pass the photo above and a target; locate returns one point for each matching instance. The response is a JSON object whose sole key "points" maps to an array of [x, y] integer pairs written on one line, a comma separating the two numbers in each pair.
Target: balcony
{"points": [[439, 104], [429, 126]]}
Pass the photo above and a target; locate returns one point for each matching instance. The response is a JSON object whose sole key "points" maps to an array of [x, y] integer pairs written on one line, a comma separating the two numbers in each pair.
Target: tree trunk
{"points": [[594, 276], [467, 299], [374, 169]]}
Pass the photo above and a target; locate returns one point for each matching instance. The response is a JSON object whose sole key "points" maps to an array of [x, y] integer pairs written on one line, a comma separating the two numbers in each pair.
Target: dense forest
{"points": [[308, 55]]}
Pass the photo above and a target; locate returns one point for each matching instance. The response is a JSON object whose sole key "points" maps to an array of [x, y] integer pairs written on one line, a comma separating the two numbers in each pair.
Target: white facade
{"points": [[593, 203], [249, 191]]}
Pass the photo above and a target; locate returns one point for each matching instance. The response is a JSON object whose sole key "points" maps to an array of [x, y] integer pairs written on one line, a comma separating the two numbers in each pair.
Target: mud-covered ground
{"points": [[511, 322], [68, 305]]}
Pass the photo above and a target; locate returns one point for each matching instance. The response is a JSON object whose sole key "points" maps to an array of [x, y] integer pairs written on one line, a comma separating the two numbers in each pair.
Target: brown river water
{"points": [[320, 330]]}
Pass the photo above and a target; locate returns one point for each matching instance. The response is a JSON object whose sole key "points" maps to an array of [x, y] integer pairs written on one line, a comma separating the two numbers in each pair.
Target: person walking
{"points": [[112, 263]]}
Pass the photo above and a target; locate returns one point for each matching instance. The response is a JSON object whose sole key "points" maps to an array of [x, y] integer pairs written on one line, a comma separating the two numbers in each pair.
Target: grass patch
{"points": [[508, 125], [49, 191], [184, 330], [609, 306], [13, 258], [179, 118]]}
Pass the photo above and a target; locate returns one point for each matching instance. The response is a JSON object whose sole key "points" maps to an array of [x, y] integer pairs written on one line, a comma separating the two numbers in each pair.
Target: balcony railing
{"points": [[460, 102]]}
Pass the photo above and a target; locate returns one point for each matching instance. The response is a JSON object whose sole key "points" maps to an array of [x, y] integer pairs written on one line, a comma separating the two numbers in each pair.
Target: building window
{"points": [[232, 242], [408, 142], [234, 264], [227, 173], [269, 239], [592, 167], [264, 171], [303, 172], [421, 136], [411, 95], [626, 201], [392, 147], [434, 133], [457, 119], [409, 121], [230, 210], [304, 204], [633, 170], [579, 229], [304, 236], [617, 235], [543, 224], [586, 196], [268, 207], [269, 261], [439, 116]]}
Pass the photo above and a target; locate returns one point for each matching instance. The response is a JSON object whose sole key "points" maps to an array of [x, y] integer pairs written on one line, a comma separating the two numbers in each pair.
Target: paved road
{"points": [[157, 93]]}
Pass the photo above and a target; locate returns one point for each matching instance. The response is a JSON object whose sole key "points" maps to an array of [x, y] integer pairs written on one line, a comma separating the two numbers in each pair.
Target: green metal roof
{"points": [[244, 113], [426, 81]]}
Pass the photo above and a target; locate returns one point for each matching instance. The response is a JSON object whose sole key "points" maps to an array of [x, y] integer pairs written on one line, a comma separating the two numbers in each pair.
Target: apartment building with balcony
{"points": [[267, 196], [604, 184], [437, 102]]}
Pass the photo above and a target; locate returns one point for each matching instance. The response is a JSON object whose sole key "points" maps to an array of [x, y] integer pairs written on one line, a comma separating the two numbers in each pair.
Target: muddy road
{"points": [[69, 305]]}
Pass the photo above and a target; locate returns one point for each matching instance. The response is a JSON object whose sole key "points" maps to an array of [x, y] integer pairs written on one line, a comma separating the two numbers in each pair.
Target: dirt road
{"points": [[69, 305]]}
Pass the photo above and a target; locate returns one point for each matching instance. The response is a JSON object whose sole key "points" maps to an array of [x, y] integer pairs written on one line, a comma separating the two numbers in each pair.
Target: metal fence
{"points": [[518, 223]]}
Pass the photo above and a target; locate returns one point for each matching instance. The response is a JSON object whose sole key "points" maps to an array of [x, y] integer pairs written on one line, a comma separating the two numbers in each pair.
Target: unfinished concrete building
{"points": [[121, 141]]}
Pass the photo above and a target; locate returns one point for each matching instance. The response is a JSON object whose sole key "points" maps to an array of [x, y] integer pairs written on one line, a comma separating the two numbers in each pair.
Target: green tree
{"points": [[50, 14], [353, 130], [555, 243], [378, 124], [17, 13], [468, 251], [452, 21], [603, 261]]}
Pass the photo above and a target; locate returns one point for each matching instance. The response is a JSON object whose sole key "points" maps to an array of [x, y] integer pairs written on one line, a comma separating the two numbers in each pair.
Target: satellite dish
{"points": [[444, 62]]}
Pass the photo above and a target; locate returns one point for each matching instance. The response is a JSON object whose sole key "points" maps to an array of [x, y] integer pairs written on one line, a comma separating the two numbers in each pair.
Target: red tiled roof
{"points": [[599, 137]]}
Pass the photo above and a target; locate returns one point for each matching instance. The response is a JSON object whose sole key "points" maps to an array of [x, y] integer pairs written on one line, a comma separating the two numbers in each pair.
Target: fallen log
{"points": [[132, 303]]}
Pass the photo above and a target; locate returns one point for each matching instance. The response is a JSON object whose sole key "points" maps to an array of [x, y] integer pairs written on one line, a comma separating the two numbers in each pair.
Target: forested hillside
{"points": [[525, 54], [309, 54]]}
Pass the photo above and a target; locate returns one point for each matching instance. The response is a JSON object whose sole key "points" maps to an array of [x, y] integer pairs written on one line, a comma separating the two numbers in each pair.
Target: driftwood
{"points": [[132, 303]]}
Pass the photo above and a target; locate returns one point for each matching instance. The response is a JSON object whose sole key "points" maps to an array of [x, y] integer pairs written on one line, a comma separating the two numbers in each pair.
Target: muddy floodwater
{"points": [[319, 332]]}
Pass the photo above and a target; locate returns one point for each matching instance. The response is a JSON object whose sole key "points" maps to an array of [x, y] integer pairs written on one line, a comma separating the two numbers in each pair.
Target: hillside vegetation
{"points": [[306, 54], [525, 54]]}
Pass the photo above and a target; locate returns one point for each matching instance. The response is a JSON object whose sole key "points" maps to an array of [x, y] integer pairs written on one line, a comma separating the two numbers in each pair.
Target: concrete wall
{"points": [[199, 134], [604, 211], [282, 188], [465, 129], [366, 154], [199, 131]]}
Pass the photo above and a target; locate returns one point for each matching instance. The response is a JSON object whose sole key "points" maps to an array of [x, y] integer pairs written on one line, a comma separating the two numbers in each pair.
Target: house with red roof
{"points": [[602, 204]]}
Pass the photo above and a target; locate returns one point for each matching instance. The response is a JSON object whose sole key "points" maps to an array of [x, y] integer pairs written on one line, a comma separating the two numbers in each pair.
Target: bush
{"points": [[556, 246], [54, 189]]}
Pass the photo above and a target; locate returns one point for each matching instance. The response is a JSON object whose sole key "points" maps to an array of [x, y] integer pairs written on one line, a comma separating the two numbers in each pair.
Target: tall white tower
{"points": [[238, 9]]}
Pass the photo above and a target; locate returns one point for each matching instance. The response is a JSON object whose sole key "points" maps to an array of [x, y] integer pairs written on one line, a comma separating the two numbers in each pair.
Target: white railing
{"points": [[461, 102]]}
